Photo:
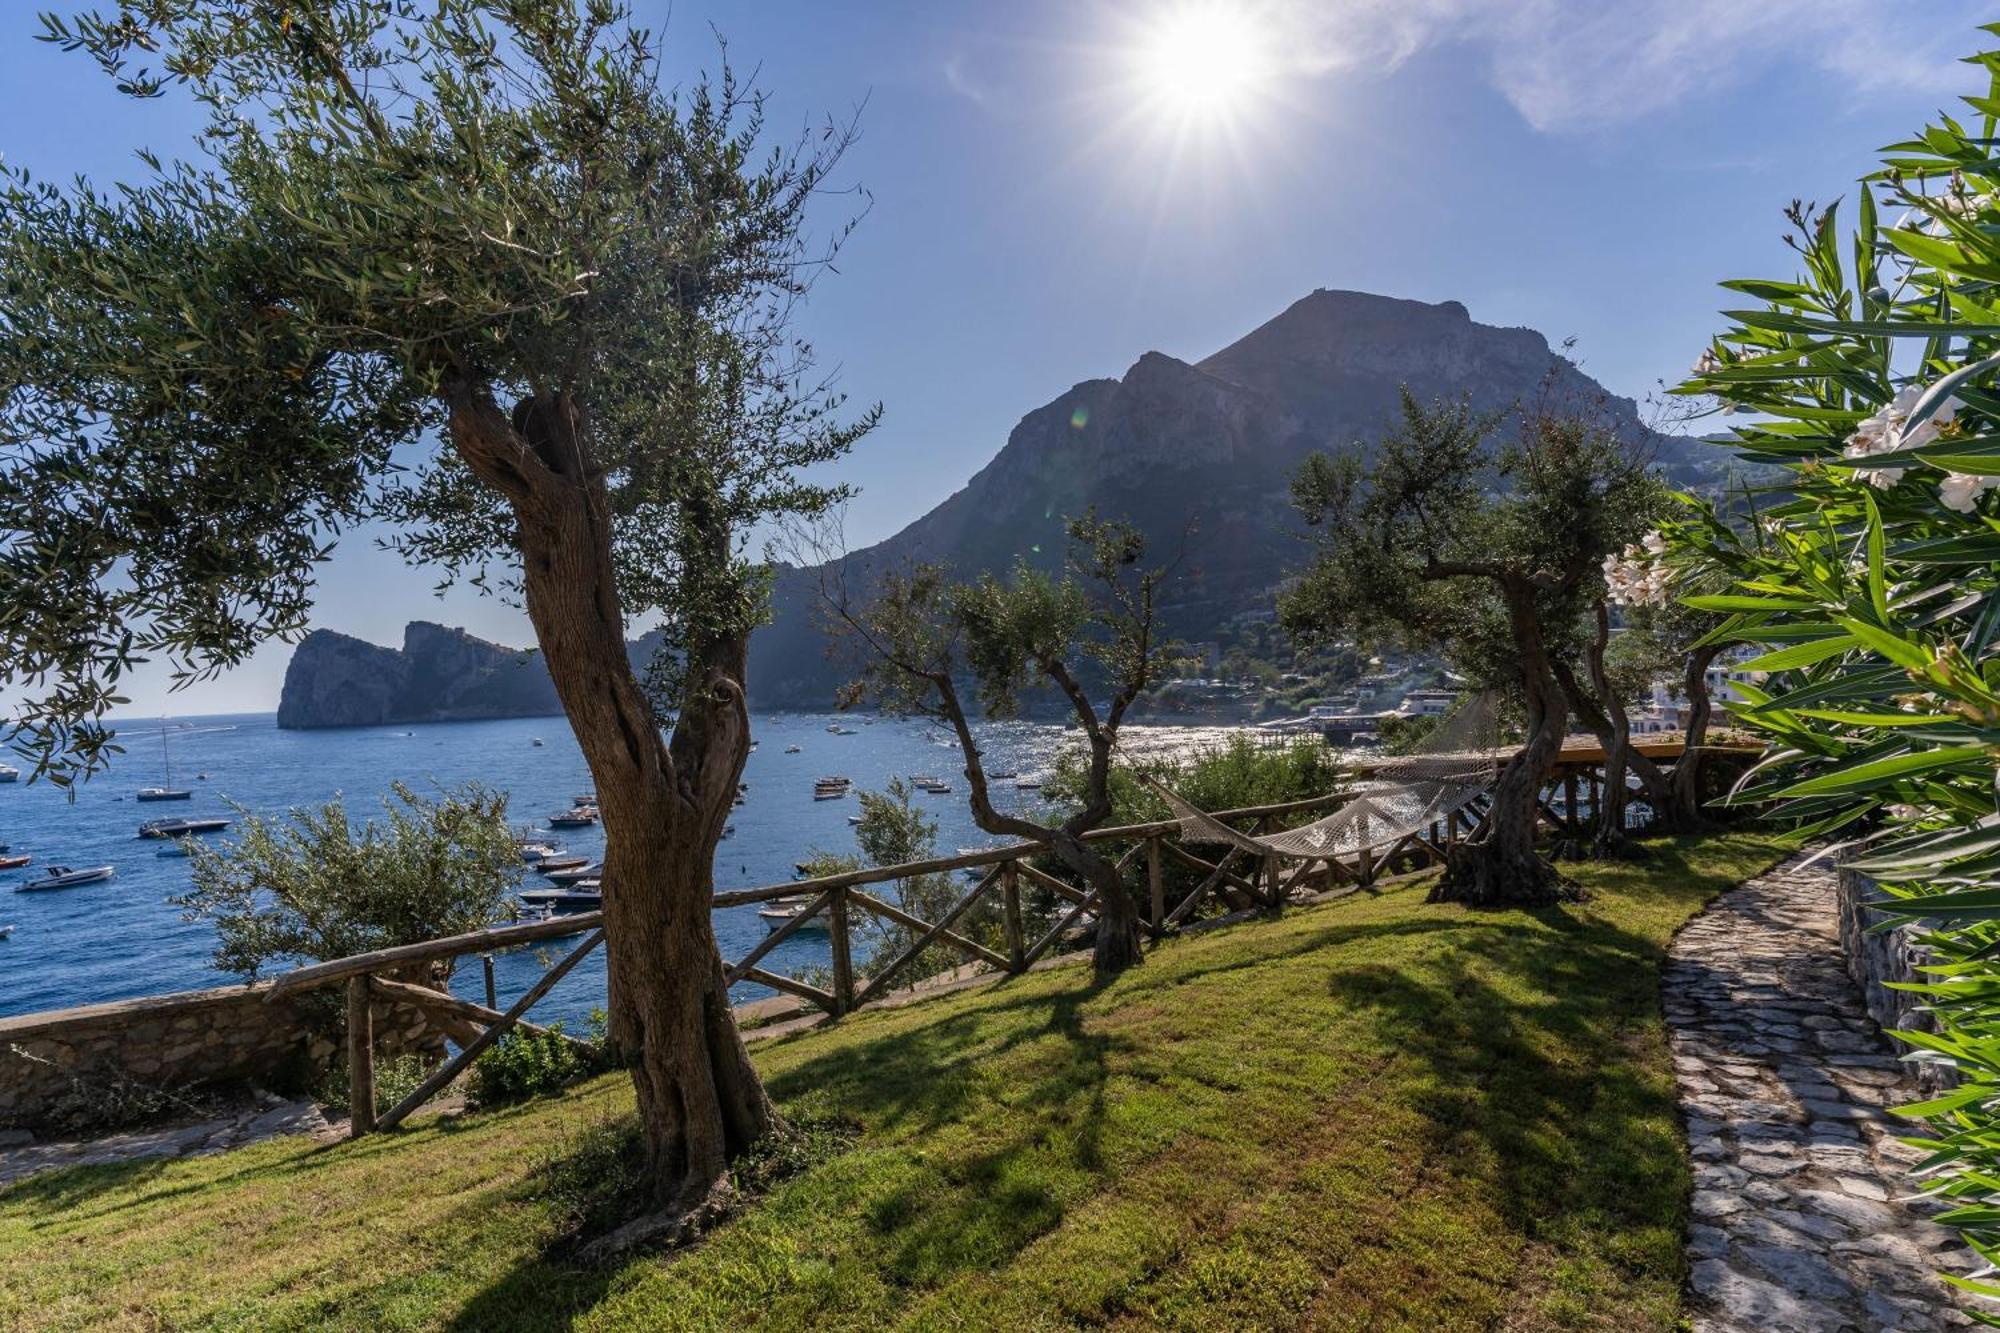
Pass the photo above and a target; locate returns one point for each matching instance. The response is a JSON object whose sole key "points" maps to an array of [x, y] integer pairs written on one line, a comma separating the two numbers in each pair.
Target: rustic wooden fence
{"points": [[1235, 879]]}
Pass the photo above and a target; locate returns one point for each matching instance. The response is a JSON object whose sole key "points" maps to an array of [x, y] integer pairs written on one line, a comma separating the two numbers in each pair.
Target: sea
{"points": [[122, 938]]}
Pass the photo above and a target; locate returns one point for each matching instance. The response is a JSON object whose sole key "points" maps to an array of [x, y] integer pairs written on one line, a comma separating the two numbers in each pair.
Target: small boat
{"points": [[535, 741], [854, 819], [1028, 784], [833, 729], [576, 875], [581, 817], [180, 828], [5, 931], [935, 786], [62, 877], [1000, 774], [167, 791], [782, 910], [534, 853], [588, 798], [729, 830], [792, 749], [13, 862], [8, 773], [573, 899], [554, 865]]}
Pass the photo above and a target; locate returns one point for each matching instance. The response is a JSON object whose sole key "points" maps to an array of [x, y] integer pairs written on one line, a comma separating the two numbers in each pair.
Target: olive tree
{"points": [[1444, 537], [315, 885], [1095, 624], [465, 268]]}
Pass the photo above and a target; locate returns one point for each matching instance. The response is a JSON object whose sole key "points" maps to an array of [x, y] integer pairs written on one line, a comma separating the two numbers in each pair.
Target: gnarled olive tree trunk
{"points": [[699, 1099], [1499, 866], [1685, 789], [1118, 944]]}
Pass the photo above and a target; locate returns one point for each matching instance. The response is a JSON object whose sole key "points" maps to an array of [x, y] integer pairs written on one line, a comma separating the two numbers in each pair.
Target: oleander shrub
{"points": [[1868, 578]]}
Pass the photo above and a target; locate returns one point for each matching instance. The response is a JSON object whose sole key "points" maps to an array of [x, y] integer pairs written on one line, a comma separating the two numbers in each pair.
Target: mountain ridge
{"points": [[1198, 454]]}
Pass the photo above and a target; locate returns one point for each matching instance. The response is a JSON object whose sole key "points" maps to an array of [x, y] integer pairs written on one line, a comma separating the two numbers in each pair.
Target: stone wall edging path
{"points": [[1803, 1220]]}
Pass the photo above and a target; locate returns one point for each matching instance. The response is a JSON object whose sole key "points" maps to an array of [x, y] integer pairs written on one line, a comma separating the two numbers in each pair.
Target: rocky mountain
{"points": [[1200, 456], [439, 675]]}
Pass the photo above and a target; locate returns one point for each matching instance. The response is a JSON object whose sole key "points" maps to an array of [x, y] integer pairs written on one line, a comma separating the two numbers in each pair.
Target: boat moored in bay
{"points": [[62, 877]]}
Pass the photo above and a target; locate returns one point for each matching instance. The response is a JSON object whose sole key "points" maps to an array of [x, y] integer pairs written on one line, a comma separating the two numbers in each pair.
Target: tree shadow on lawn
{"points": [[947, 1218], [1539, 1079]]}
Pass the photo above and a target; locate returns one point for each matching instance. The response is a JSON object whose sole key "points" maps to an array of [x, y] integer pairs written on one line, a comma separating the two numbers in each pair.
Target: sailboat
{"points": [[169, 792]]}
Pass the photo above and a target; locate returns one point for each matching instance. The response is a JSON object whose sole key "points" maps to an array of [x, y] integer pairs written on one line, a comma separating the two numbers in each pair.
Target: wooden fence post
{"points": [[1156, 884], [492, 994], [1010, 903], [843, 958], [360, 1057]]}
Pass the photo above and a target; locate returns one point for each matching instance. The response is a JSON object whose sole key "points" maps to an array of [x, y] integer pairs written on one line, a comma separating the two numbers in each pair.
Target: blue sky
{"points": [[1059, 186]]}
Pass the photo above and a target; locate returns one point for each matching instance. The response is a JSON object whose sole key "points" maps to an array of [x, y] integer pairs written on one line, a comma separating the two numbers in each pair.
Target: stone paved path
{"points": [[22, 1156], [1800, 1221]]}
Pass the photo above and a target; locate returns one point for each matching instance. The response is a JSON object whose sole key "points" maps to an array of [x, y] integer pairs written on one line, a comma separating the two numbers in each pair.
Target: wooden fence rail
{"points": [[1234, 879]]}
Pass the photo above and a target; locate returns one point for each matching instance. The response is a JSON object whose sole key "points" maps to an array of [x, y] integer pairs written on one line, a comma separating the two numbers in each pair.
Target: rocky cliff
{"points": [[1199, 455], [439, 675]]}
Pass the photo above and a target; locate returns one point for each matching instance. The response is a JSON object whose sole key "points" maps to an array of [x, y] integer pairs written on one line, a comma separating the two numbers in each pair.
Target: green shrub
{"points": [[396, 1077], [526, 1064], [1875, 583]]}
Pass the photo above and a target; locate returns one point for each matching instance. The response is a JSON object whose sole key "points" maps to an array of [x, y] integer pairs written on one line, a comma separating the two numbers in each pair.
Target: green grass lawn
{"points": [[1368, 1115]]}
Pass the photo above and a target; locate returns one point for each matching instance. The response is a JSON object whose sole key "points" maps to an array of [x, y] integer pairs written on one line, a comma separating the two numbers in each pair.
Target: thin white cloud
{"points": [[1569, 65]]}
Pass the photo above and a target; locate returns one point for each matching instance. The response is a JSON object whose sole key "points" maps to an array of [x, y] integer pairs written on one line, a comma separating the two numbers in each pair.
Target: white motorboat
{"points": [[781, 911], [792, 749], [534, 853], [62, 877]]}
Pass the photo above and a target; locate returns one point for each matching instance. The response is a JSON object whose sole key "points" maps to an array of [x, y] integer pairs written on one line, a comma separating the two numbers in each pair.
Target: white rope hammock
{"points": [[1402, 794]]}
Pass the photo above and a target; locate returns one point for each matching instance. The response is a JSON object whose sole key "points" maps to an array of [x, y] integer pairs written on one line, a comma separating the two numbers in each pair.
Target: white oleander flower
{"points": [[1708, 363], [1960, 491], [1882, 432]]}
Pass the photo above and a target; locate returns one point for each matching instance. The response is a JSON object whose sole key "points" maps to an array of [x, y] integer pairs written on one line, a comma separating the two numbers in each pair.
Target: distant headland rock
{"points": [[440, 674]]}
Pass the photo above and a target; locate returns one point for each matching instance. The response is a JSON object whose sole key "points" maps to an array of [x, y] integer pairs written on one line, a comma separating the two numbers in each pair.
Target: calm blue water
{"points": [[121, 938]]}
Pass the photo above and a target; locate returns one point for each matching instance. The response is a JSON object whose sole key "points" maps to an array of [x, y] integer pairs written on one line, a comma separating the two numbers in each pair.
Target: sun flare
{"points": [[1202, 60]]}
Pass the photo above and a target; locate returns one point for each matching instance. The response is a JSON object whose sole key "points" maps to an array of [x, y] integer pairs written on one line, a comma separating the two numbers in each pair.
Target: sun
{"points": [[1202, 61]]}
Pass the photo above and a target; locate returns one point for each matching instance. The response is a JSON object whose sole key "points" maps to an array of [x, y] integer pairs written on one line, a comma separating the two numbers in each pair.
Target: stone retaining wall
{"points": [[1877, 957], [53, 1063]]}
